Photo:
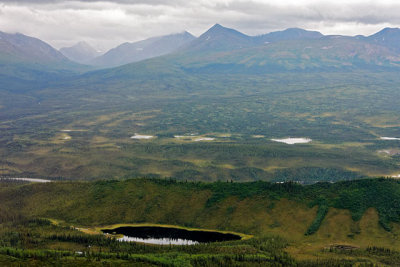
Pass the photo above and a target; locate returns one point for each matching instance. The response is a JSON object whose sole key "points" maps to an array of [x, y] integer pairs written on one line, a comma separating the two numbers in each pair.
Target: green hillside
{"points": [[361, 214]]}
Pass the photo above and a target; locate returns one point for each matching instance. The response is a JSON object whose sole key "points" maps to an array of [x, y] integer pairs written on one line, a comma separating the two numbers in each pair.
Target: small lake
{"points": [[292, 141], [204, 139], [169, 235], [138, 136], [32, 180], [389, 138], [194, 138]]}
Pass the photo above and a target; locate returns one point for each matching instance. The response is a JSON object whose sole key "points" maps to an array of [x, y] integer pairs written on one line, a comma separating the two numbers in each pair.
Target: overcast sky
{"points": [[105, 24]]}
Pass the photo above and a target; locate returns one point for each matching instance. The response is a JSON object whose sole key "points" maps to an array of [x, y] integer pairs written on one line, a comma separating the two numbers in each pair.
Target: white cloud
{"points": [[106, 24]]}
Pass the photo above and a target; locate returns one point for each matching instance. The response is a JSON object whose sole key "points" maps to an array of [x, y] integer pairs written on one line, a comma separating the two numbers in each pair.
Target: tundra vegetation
{"points": [[344, 114]]}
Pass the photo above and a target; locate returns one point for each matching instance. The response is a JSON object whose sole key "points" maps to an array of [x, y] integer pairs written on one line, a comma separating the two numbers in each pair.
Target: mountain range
{"points": [[224, 50], [290, 49], [219, 49]]}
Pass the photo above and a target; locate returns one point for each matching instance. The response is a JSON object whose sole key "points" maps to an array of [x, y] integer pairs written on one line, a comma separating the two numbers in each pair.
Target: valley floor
{"points": [[204, 127]]}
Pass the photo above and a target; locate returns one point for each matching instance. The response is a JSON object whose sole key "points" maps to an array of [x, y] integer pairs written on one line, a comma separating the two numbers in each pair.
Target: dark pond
{"points": [[167, 235]]}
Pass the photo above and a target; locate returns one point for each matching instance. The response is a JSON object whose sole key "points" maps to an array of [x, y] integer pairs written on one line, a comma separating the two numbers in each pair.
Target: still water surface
{"points": [[168, 235]]}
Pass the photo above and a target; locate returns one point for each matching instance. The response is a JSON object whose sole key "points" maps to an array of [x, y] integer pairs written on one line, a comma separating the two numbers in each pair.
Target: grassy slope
{"points": [[254, 208]]}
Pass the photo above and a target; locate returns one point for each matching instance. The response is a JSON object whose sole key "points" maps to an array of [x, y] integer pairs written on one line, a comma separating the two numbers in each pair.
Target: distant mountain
{"points": [[27, 63], [225, 50], [80, 52], [389, 37], [222, 50], [219, 38], [288, 34], [222, 39], [149, 48], [21, 48]]}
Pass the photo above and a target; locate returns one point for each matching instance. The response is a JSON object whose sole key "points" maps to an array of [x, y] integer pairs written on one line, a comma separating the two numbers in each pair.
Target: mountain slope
{"points": [[44, 224], [254, 207], [327, 53], [149, 48], [389, 37], [80, 52], [17, 47], [330, 53], [27, 63]]}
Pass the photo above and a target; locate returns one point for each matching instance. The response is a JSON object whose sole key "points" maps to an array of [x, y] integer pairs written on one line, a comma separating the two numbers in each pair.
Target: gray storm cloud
{"points": [[106, 24]]}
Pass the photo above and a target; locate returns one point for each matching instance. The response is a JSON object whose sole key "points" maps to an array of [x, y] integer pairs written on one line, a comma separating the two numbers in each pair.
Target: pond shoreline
{"points": [[160, 235], [98, 229]]}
